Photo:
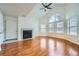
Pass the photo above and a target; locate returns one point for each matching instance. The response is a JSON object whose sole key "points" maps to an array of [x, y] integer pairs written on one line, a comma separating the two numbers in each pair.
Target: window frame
{"points": [[60, 27], [55, 23], [43, 28], [49, 28], [69, 26]]}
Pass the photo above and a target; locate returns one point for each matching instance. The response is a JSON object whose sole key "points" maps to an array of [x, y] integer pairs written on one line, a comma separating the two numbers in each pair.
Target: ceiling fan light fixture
{"points": [[46, 6]]}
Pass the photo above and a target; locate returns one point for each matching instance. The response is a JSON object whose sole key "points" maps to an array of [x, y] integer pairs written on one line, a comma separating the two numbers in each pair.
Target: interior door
{"points": [[11, 28]]}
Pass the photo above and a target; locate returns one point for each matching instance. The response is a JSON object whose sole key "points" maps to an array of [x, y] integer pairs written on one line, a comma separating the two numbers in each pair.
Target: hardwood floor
{"points": [[40, 46]]}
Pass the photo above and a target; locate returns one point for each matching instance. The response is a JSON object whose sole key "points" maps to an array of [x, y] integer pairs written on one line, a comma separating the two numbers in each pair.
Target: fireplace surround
{"points": [[27, 34]]}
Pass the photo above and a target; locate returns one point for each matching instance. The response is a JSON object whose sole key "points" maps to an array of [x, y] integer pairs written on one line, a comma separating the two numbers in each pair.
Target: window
{"points": [[43, 28], [72, 26], [58, 17], [56, 23], [52, 19], [59, 24], [51, 24], [51, 27], [60, 27]]}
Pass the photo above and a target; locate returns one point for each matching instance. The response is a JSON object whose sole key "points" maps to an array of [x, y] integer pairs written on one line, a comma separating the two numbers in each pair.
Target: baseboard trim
{"points": [[10, 39], [63, 37]]}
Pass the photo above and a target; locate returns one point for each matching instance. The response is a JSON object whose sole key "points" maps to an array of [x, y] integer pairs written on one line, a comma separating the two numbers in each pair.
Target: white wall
{"points": [[11, 27], [30, 21], [72, 10], [1, 29]]}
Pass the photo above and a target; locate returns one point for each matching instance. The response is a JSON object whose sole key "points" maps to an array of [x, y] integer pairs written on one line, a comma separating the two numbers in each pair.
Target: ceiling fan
{"points": [[46, 6]]}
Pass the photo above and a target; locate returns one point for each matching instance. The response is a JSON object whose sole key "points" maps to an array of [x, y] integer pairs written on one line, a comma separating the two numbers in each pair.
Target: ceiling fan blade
{"points": [[43, 5], [49, 8], [49, 4]]}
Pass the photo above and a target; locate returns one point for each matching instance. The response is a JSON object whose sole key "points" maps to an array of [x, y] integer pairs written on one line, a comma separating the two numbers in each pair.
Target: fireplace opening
{"points": [[27, 34]]}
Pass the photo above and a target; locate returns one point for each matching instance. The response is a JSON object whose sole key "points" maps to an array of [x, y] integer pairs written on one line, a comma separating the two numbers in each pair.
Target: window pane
{"points": [[60, 30], [60, 27], [73, 30], [72, 26], [73, 23], [58, 17], [73, 19], [51, 25], [73, 33], [43, 30], [52, 19], [43, 26], [50, 30]]}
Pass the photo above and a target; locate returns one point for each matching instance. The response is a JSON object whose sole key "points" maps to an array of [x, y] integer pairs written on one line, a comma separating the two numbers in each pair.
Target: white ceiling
{"points": [[16, 9]]}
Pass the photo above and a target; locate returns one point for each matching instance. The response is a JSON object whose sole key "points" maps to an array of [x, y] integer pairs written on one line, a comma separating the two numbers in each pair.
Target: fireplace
{"points": [[27, 34]]}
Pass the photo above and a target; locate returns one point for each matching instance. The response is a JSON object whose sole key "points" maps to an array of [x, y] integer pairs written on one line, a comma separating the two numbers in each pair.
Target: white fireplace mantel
{"points": [[20, 32]]}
